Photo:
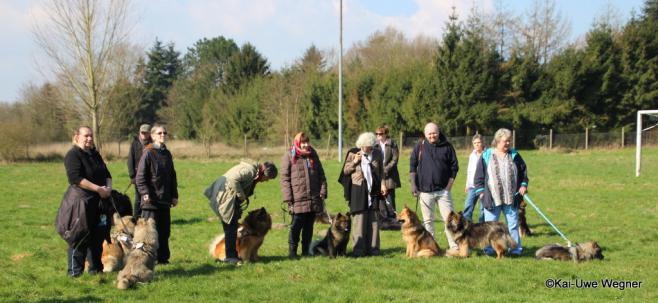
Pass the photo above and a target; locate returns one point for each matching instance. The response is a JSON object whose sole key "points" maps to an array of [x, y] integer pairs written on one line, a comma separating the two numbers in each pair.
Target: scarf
{"points": [[502, 179], [366, 159], [296, 150]]}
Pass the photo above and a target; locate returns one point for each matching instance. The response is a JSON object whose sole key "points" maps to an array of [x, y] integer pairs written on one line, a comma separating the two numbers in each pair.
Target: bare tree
{"points": [[545, 31], [81, 38]]}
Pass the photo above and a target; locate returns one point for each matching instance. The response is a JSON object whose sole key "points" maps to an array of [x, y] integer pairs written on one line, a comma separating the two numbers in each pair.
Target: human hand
{"points": [[146, 199], [384, 190], [104, 192], [414, 190], [481, 196], [357, 158], [523, 190], [174, 202], [466, 190]]}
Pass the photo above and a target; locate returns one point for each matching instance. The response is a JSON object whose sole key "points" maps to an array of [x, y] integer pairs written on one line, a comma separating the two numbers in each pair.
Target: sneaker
{"points": [[489, 251], [516, 252], [233, 261]]}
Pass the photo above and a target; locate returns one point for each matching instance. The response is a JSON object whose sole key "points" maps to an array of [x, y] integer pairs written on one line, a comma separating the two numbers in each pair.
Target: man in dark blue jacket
{"points": [[433, 168]]}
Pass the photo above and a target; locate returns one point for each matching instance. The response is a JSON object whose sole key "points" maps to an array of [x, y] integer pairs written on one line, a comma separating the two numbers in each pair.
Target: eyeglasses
{"points": [[161, 133], [379, 134]]}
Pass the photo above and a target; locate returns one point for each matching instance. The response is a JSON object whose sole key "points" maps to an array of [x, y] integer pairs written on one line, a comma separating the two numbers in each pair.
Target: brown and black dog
{"points": [[420, 242], [251, 235], [471, 235], [116, 251], [581, 252], [335, 242], [140, 265], [524, 229]]}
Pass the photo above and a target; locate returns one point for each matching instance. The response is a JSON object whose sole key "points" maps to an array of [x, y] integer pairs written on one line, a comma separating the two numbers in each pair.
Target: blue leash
{"points": [[527, 199]]}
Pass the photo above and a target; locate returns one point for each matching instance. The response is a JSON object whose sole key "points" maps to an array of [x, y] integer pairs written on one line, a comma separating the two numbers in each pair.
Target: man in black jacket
{"points": [[433, 168], [136, 148]]}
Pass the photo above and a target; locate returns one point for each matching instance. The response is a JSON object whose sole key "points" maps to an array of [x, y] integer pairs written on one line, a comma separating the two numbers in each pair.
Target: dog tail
{"points": [[213, 245]]}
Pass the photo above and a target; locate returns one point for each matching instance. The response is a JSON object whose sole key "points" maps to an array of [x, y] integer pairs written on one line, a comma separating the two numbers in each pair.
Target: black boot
{"points": [[292, 251]]}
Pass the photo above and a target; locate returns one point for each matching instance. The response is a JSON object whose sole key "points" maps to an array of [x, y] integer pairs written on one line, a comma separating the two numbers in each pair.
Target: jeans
{"points": [[512, 218], [469, 206], [427, 202]]}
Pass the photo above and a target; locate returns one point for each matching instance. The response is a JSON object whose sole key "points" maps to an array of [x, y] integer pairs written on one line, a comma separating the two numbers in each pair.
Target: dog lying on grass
{"points": [[420, 242], [580, 253]]}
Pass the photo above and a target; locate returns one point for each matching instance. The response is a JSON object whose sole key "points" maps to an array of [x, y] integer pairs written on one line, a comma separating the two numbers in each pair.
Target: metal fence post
{"points": [[550, 139], [513, 138], [622, 137], [586, 138]]}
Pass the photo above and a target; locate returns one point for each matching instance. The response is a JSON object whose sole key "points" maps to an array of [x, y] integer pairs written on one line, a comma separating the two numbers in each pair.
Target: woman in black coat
{"points": [[89, 181], [158, 187]]}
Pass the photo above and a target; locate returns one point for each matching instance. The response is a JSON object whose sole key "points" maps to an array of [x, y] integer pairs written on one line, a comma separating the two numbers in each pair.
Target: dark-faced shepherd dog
{"points": [[524, 229], [420, 242], [140, 264], [471, 235], [581, 252], [335, 242], [251, 235]]}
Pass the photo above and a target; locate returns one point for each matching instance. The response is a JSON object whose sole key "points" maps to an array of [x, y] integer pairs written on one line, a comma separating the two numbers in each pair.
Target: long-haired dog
{"points": [[116, 250], [140, 264], [581, 252], [420, 242], [471, 235], [251, 235], [524, 229], [335, 242]]}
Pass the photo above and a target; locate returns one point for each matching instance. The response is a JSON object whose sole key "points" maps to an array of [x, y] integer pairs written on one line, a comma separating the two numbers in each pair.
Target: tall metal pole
{"points": [[340, 89]]}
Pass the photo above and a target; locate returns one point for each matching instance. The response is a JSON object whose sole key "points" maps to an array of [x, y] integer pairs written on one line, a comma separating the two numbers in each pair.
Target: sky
{"points": [[281, 30]]}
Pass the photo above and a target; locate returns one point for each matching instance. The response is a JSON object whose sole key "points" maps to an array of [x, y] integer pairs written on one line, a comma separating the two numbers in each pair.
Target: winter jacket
{"points": [[80, 164], [391, 177], [303, 184], [156, 177], [482, 178], [236, 183], [134, 155], [352, 177], [77, 213], [433, 164]]}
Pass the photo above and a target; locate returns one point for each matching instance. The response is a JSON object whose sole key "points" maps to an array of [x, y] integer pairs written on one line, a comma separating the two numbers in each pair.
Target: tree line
{"points": [[487, 71]]}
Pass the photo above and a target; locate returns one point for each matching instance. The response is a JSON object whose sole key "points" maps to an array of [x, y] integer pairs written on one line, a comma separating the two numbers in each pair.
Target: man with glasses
{"points": [[391, 179], [140, 141]]}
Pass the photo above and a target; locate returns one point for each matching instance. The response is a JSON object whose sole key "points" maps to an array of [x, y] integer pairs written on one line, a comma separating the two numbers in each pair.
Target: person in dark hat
{"points": [[140, 141]]}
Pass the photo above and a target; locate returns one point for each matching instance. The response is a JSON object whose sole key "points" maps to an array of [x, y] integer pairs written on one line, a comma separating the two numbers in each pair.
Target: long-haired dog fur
{"points": [[524, 229], [335, 241], [251, 235], [116, 250], [581, 252], [420, 242], [141, 259], [471, 235]]}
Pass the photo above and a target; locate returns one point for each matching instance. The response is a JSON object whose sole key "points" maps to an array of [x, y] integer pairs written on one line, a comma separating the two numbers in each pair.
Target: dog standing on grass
{"points": [[251, 235], [420, 242], [335, 242], [471, 235], [580, 253], [140, 265]]}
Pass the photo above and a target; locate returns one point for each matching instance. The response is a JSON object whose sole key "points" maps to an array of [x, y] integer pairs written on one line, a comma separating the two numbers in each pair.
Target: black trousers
{"points": [[231, 233], [137, 210], [162, 218], [301, 223], [90, 247]]}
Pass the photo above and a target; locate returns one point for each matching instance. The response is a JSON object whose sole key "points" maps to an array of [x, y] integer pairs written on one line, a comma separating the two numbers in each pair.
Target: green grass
{"points": [[587, 194]]}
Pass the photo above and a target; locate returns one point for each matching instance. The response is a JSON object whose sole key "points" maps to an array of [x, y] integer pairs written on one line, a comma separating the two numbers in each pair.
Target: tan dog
{"points": [[420, 242], [141, 260], [115, 252], [470, 235], [251, 235], [581, 252]]}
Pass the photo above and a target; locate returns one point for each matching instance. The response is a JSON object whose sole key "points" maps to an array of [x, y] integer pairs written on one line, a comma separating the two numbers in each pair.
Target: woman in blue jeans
{"points": [[501, 180], [471, 197]]}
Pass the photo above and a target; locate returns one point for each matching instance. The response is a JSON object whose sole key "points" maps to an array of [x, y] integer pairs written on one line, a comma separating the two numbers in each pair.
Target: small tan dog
{"points": [[115, 252], [420, 242], [141, 260]]}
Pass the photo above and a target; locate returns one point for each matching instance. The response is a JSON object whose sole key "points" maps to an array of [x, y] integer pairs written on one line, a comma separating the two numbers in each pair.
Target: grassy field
{"points": [[588, 194]]}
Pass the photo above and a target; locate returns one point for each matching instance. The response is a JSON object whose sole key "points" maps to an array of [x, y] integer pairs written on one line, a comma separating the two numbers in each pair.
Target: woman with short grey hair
{"points": [[361, 178], [501, 180]]}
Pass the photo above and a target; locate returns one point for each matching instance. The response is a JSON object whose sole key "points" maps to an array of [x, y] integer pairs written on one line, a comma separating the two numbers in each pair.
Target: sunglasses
{"points": [[379, 134], [161, 133]]}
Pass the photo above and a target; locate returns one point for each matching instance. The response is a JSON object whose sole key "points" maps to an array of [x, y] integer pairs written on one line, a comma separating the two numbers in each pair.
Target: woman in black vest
{"points": [[89, 180], [158, 187]]}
